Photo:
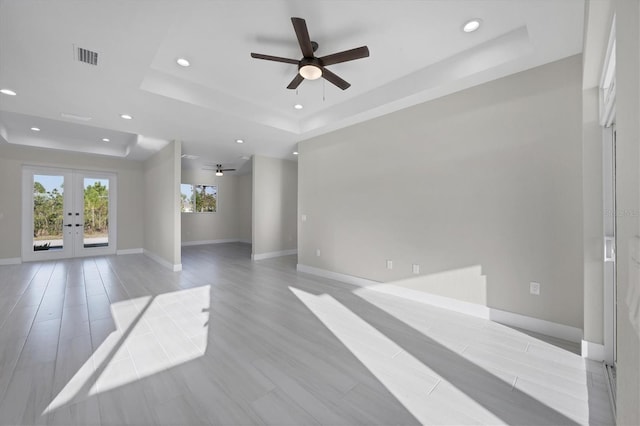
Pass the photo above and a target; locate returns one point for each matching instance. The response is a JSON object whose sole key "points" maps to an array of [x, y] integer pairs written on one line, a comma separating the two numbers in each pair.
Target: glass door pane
{"points": [[48, 212], [96, 212]]}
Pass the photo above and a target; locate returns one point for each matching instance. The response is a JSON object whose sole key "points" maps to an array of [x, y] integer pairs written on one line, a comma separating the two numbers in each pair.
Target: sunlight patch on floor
{"points": [[406, 378], [547, 373], [153, 334]]}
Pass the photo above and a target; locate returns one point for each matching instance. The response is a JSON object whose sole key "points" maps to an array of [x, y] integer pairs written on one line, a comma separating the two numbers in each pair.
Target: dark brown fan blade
{"points": [[344, 56], [332, 78], [300, 26], [295, 82], [227, 170], [274, 58]]}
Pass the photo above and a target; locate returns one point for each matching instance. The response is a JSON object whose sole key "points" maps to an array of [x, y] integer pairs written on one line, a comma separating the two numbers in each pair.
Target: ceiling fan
{"points": [[218, 168], [311, 67]]}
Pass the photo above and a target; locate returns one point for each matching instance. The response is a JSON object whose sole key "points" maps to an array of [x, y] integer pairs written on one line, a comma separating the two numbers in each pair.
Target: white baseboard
{"points": [[11, 261], [349, 279], [271, 254], [473, 309], [173, 267], [407, 293], [204, 242], [548, 328], [593, 351], [553, 329], [129, 251]]}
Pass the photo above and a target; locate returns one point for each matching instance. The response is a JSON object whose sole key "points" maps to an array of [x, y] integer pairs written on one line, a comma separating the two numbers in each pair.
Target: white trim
{"points": [[245, 241], [130, 251], [593, 351], [449, 303], [468, 308], [151, 255], [203, 242], [271, 254], [11, 261], [553, 329], [349, 279], [548, 328]]}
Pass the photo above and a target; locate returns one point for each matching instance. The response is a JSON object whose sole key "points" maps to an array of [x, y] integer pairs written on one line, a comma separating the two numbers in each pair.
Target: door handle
{"points": [[69, 225], [609, 249], [79, 224]]}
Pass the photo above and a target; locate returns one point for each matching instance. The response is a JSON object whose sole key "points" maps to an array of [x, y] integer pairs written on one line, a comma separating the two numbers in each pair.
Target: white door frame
{"points": [[609, 282], [607, 120], [73, 211]]}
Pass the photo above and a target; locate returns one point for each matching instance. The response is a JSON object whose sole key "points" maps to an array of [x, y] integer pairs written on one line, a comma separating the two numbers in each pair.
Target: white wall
{"points": [[130, 192], [162, 174], [593, 222], [628, 209], [482, 189], [227, 222], [244, 206], [274, 226]]}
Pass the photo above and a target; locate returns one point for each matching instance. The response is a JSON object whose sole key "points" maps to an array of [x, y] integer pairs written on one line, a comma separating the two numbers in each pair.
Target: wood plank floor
{"points": [[120, 340]]}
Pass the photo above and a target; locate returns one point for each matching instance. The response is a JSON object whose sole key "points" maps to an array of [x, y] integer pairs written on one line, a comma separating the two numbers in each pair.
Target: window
{"points": [[186, 198], [198, 198]]}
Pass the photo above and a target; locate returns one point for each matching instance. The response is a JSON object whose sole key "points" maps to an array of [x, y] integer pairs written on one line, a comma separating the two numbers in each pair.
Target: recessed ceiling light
{"points": [[35, 129], [298, 106], [105, 139], [295, 152], [183, 62], [126, 116], [239, 141], [7, 92], [471, 25]]}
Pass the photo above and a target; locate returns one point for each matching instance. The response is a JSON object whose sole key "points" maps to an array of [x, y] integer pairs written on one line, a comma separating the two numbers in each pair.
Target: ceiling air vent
{"points": [[87, 56]]}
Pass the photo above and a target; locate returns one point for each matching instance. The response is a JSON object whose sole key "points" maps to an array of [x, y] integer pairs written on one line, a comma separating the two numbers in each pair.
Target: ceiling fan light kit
{"points": [[311, 67], [220, 171], [310, 72]]}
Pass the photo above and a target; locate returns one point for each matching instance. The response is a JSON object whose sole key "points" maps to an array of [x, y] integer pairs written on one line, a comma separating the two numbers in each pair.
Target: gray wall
{"points": [[275, 186], [628, 209], [482, 189], [226, 223], [130, 190], [245, 194], [593, 222], [162, 174]]}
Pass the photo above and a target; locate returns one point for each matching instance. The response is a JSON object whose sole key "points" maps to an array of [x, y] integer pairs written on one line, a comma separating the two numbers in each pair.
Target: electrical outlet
{"points": [[389, 264], [318, 252], [304, 218], [534, 288], [416, 268]]}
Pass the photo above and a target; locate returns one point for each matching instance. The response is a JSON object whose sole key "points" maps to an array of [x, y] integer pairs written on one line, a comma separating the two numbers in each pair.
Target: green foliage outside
{"points": [[96, 209], [198, 198], [205, 198], [48, 214]]}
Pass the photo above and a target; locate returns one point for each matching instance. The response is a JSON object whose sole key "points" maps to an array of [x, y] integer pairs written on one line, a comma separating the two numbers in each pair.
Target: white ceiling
{"points": [[418, 52]]}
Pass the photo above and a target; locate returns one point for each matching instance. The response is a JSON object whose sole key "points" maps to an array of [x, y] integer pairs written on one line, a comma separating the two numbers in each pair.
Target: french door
{"points": [[67, 213]]}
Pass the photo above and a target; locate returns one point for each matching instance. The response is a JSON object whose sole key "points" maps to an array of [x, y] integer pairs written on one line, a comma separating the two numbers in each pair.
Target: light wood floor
{"points": [[120, 340]]}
